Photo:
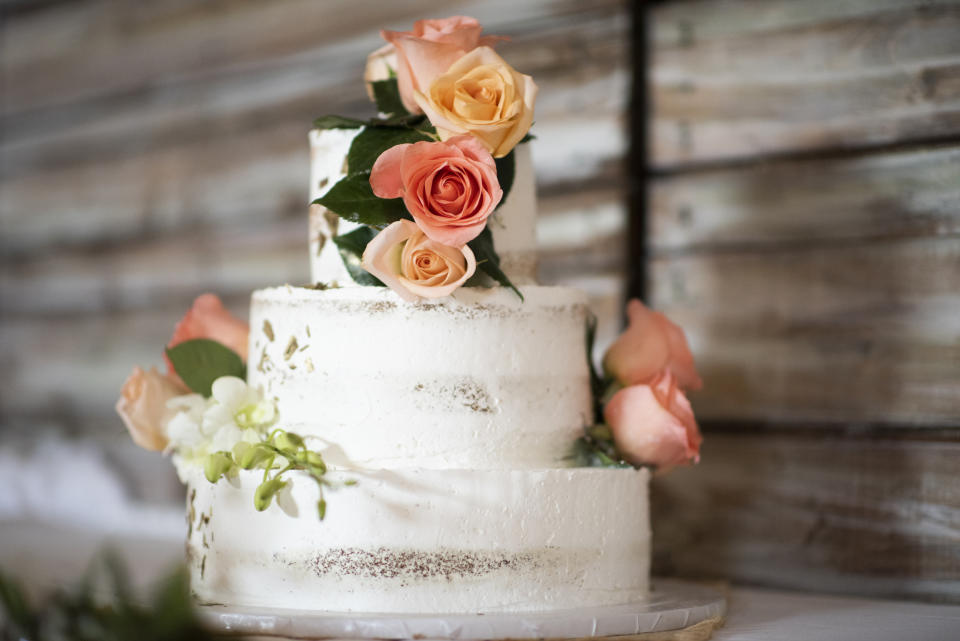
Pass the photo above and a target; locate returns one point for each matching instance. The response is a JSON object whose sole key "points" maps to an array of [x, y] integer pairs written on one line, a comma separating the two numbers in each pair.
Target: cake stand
{"points": [[672, 605]]}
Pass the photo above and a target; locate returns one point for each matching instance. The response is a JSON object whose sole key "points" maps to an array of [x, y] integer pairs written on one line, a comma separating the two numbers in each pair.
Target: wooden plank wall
{"points": [[804, 226], [151, 151]]}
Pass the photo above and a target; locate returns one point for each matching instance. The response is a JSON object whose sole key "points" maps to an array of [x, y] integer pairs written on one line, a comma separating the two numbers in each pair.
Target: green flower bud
{"points": [[321, 508], [265, 493], [315, 461], [216, 465], [288, 441], [254, 456], [239, 449]]}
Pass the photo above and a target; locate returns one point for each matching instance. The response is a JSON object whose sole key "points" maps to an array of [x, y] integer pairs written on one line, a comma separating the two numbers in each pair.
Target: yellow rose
{"points": [[483, 96]]}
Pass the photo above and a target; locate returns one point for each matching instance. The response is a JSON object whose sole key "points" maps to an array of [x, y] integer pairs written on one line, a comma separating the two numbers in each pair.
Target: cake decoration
{"points": [[440, 153], [204, 413], [642, 417]]}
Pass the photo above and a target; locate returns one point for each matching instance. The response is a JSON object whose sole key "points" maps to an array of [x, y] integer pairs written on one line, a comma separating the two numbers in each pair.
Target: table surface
{"points": [[48, 555]]}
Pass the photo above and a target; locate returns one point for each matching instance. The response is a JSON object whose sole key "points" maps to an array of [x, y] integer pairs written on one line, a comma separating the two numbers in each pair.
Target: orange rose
{"points": [[654, 424], [143, 406], [481, 95], [450, 188], [429, 49], [412, 265], [650, 344], [208, 318]]}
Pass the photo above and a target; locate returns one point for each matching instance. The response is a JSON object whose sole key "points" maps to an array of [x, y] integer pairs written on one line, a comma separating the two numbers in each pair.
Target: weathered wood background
{"points": [[804, 227], [152, 151]]}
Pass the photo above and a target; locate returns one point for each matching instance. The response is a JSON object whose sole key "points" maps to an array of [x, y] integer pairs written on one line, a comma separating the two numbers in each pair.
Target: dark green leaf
{"points": [[336, 122], [410, 121], [527, 138], [506, 170], [596, 381], [489, 261], [386, 94], [352, 199], [351, 248], [201, 361], [373, 141]]}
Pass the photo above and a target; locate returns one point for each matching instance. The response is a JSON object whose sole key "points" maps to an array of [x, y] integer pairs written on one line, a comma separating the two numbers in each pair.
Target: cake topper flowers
{"points": [[440, 154], [204, 413], [643, 416]]}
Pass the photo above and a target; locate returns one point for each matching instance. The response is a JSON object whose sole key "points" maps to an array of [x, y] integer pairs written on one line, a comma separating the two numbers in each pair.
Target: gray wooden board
{"points": [[814, 201], [818, 512], [738, 79], [835, 333]]}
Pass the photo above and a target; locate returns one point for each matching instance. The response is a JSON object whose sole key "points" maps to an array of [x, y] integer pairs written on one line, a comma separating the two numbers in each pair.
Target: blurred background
{"points": [[782, 177]]}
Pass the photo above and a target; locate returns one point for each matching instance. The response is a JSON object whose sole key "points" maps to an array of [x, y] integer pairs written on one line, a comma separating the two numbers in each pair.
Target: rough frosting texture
{"points": [[427, 541], [478, 380], [512, 225]]}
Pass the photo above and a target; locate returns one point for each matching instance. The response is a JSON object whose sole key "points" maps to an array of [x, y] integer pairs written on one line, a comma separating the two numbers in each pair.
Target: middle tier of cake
{"points": [[479, 380]]}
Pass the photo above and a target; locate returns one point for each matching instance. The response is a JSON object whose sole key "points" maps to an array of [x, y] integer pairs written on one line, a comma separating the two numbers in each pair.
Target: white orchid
{"points": [[234, 413]]}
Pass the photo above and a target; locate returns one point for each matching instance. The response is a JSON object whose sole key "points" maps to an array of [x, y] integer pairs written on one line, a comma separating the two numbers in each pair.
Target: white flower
{"points": [[285, 500], [234, 413]]}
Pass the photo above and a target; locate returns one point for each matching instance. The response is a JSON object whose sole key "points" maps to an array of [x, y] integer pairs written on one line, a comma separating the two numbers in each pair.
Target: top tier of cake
{"points": [[512, 225]]}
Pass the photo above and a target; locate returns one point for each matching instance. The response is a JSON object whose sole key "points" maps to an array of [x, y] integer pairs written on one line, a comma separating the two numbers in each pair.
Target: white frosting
{"points": [[512, 225], [426, 541], [478, 380]]}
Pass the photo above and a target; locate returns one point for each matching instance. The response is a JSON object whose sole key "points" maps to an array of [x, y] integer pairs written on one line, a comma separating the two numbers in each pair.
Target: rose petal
{"points": [[385, 176], [446, 290]]}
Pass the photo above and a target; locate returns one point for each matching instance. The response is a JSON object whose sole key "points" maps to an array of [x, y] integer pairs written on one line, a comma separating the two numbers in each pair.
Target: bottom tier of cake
{"points": [[425, 541]]}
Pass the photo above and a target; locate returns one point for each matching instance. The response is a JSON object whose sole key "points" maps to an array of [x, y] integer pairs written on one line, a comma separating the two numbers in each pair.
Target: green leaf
{"points": [[373, 141], [386, 94], [506, 171], [489, 261], [336, 122], [352, 199], [201, 361], [596, 382], [351, 248]]}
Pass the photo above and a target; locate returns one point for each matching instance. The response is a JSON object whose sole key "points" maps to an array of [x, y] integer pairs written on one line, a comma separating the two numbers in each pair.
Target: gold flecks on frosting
{"points": [[268, 330], [291, 348], [308, 363]]}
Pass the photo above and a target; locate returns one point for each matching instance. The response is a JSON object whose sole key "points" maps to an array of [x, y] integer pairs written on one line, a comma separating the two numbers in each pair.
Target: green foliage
{"points": [[488, 261], [596, 381], [201, 361], [277, 454], [506, 171], [386, 94], [373, 141], [84, 614], [337, 122], [352, 199], [351, 248], [596, 449]]}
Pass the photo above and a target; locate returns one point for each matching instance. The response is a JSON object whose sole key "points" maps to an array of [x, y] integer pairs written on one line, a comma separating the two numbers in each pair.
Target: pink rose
{"points": [[208, 318], [654, 424], [143, 406], [650, 344], [412, 265], [450, 188], [430, 49]]}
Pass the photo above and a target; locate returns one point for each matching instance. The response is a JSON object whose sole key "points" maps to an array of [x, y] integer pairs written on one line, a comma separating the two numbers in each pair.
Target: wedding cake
{"points": [[420, 430]]}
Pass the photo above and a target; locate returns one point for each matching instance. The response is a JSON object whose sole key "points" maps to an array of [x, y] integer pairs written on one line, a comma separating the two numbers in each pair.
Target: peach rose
{"points": [[208, 318], [143, 406], [429, 49], [450, 188], [481, 95], [380, 64], [654, 424], [650, 344], [412, 265]]}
